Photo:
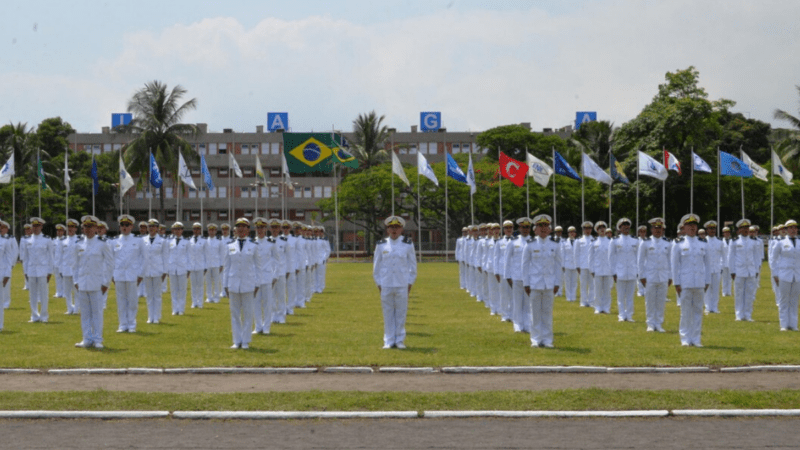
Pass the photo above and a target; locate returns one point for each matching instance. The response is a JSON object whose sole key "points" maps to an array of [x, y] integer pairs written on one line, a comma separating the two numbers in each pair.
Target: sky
{"points": [[480, 63]]}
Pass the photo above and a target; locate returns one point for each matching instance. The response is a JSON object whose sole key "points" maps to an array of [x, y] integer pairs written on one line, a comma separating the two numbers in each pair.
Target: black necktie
{"points": [[793, 244], [177, 241], [241, 244], [152, 239]]}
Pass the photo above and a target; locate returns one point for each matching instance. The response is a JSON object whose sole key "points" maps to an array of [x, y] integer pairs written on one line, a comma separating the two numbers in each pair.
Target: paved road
{"points": [[507, 434]]}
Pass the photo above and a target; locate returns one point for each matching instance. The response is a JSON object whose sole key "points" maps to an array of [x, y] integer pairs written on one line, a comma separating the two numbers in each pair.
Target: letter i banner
{"points": [[512, 169]]}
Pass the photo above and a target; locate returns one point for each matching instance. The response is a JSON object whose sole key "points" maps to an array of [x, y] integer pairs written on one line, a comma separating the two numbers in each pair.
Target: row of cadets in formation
{"points": [[295, 268], [484, 256]]}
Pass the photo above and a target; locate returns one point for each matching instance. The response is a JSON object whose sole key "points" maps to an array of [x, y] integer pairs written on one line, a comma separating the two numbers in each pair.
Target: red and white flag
{"points": [[671, 162], [513, 170]]}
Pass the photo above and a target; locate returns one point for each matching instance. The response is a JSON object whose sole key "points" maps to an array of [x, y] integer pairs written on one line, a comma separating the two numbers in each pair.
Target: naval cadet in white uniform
{"points": [[655, 273], [622, 254], [786, 261], [541, 271], [69, 257], [156, 258], [240, 282], [197, 264], [92, 277], [215, 255], [394, 270], [690, 263], [583, 247], [601, 269], [520, 307], [264, 304], [716, 249], [37, 253], [128, 253], [8, 258], [744, 262], [178, 269]]}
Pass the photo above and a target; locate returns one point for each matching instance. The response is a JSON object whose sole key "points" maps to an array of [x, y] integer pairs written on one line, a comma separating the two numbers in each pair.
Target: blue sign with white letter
{"points": [[430, 121], [120, 119], [278, 121], [584, 116]]}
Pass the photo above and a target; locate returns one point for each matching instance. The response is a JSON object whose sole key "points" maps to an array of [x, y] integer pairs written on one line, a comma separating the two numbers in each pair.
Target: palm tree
{"points": [[789, 148], [24, 143], [370, 138], [157, 113], [596, 139]]}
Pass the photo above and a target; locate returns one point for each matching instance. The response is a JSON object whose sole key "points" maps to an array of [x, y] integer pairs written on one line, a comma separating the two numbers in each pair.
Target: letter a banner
{"points": [[513, 170]]}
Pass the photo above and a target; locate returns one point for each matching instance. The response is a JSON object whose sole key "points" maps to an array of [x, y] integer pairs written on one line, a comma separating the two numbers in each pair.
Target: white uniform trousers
{"points": [[487, 290], [494, 294], [91, 304], [570, 284], [213, 280], [164, 284], [744, 289], [711, 297], [322, 269], [639, 288], [263, 308], [726, 282], [587, 288], [141, 291], [655, 299], [38, 289], [479, 285], [505, 299], [691, 316], [69, 295], [279, 297], [394, 302], [775, 290], [311, 275], [291, 288], [602, 293], [177, 288], [560, 292], [6, 303], [462, 275], [299, 289], [152, 288], [127, 304], [625, 291], [471, 273], [59, 286], [2, 301], [241, 316], [521, 308], [787, 310], [196, 278], [541, 301]]}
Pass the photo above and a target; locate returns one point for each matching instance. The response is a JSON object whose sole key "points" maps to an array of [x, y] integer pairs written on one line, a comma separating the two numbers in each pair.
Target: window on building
{"points": [[248, 171], [212, 193], [168, 192], [317, 191], [170, 214], [412, 149], [222, 149], [117, 147], [327, 192], [300, 213], [274, 148], [212, 149], [423, 148], [274, 191], [222, 191], [194, 215], [192, 193], [196, 172], [222, 172], [201, 149], [307, 192], [139, 194], [223, 215], [274, 172], [433, 148]]}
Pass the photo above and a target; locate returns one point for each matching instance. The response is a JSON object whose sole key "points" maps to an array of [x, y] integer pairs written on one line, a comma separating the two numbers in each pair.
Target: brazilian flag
{"points": [[341, 153], [308, 152]]}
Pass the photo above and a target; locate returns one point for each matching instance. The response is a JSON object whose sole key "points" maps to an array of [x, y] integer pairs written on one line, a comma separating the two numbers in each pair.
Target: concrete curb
{"points": [[283, 415], [736, 412], [21, 371], [407, 370], [786, 368], [84, 414], [344, 369], [523, 414]]}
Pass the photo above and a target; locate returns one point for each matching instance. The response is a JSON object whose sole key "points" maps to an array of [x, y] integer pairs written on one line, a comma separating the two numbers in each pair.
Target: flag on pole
{"points": [[260, 178], [397, 169], [513, 170], [779, 169], [125, 179], [234, 166], [758, 171], [733, 166], [285, 169], [8, 170], [538, 170], [424, 169], [206, 173], [155, 174], [66, 171], [562, 167], [40, 172], [650, 167], [184, 172], [340, 153], [593, 171], [471, 176], [616, 170], [700, 165], [453, 171], [671, 162], [308, 152], [95, 180]]}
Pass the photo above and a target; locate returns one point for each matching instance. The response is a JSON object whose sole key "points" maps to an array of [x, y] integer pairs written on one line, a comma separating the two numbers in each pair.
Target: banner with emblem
{"points": [[8, 170], [538, 169], [308, 152]]}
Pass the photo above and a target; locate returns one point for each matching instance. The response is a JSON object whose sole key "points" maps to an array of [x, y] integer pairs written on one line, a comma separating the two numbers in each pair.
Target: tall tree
{"points": [[513, 140], [370, 136], [156, 125], [790, 146], [596, 139]]}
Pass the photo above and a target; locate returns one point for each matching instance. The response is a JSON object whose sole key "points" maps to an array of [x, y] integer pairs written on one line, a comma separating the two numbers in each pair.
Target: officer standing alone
{"points": [[394, 271]]}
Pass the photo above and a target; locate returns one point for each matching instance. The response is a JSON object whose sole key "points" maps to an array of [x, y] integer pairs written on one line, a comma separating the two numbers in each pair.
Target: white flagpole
{"points": [[691, 185], [149, 187], [527, 193], [392, 173], [471, 204], [500, 187], [446, 207], [772, 195], [609, 206], [66, 169], [98, 176], [38, 175], [583, 207], [664, 186], [718, 169], [741, 155], [553, 149], [14, 201], [336, 209], [637, 187], [419, 221]]}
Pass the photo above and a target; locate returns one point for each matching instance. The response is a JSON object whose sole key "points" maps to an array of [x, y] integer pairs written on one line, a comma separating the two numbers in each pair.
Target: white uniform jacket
{"points": [[654, 260], [513, 264], [395, 263], [622, 254], [8, 256], [583, 248], [155, 256], [178, 256], [716, 248], [568, 253], [95, 264], [744, 256], [267, 260], [128, 257], [197, 253], [37, 253], [214, 252], [500, 255], [240, 266], [599, 264], [69, 255], [690, 263], [541, 263], [786, 259]]}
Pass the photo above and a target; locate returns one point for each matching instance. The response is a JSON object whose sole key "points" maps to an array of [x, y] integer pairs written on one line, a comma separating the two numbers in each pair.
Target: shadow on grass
{"points": [[721, 347], [261, 351], [580, 350], [425, 350], [419, 334]]}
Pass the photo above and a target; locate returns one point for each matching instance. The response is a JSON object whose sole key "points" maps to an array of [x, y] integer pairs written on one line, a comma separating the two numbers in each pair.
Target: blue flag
{"points": [[155, 174], [562, 167], [733, 166], [455, 172], [96, 182], [206, 174]]}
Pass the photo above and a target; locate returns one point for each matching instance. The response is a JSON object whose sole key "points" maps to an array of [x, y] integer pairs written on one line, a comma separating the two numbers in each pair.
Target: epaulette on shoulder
{"points": [[529, 240], [701, 239], [664, 238], [80, 238], [407, 240], [753, 238], [283, 238], [680, 239], [382, 241], [617, 237], [594, 238], [555, 238], [232, 241]]}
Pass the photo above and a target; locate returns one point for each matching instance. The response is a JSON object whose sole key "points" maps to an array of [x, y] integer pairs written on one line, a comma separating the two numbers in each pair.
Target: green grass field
{"points": [[343, 326]]}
